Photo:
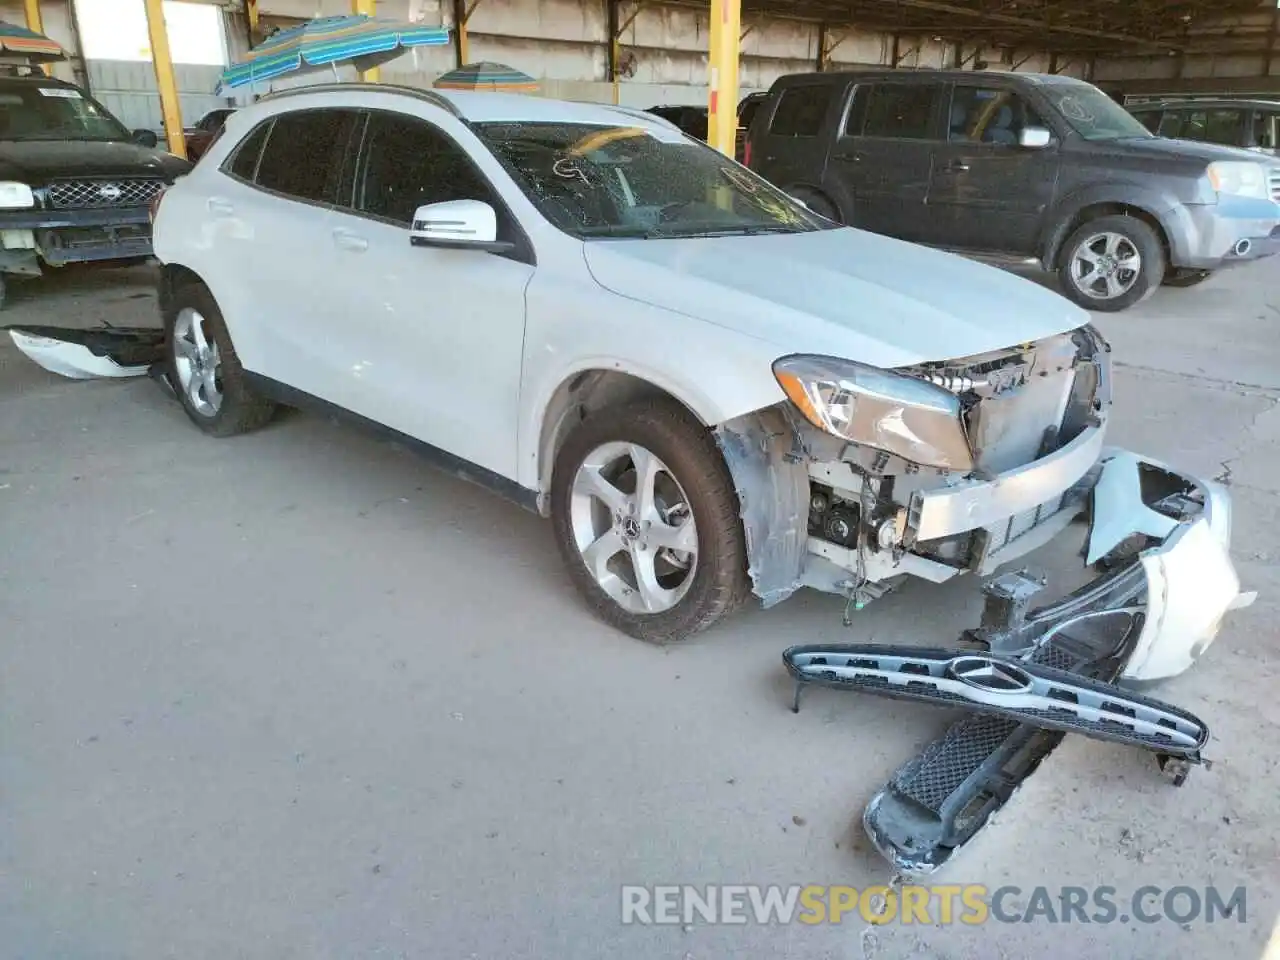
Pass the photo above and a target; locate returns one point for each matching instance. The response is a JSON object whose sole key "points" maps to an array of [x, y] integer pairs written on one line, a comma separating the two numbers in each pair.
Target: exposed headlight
{"points": [[910, 418], [1239, 178], [15, 196]]}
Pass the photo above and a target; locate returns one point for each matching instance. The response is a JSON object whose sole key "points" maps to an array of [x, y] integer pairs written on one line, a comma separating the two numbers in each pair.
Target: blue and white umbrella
{"points": [[363, 41]]}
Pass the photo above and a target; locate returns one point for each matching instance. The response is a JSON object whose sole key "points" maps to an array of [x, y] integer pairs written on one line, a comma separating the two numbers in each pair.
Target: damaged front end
{"points": [[867, 478], [832, 499]]}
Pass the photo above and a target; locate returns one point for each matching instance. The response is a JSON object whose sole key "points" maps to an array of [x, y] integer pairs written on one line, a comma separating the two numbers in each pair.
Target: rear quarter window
{"points": [[801, 110], [243, 162]]}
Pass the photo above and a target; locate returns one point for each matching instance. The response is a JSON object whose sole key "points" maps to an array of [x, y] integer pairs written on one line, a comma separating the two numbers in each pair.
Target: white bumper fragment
{"points": [[1191, 582], [73, 360]]}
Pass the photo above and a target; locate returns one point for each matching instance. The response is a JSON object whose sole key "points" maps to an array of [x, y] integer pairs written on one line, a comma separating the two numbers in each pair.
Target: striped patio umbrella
{"points": [[363, 41], [35, 47], [487, 76]]}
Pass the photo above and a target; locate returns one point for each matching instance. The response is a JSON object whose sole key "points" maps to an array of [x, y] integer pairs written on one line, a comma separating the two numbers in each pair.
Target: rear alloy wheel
{"points": [[647, 520], [1111, 263]]}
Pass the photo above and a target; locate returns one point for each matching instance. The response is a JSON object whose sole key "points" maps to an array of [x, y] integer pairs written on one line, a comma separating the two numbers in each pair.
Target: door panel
{"points": [[432, 338], [987, 191], [885, 156]]}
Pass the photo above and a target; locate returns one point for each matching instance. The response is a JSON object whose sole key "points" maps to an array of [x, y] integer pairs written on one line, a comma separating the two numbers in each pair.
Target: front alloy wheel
{"points": [[633, 527], [1106, 266], [648, 521], [1112, 262]]}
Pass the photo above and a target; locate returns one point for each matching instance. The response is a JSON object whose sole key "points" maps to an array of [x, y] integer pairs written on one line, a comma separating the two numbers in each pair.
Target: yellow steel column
{"points": [[367, 7], [166, 83], [35, 23], [722, 74]]}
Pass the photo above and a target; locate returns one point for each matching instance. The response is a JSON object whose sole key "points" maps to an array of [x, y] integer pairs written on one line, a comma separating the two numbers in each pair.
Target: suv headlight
{"points": [[15, 196], [910, 418], [1239, 178]]}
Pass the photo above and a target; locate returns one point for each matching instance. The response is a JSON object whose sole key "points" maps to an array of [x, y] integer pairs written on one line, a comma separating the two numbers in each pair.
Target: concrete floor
{"points": [[296, 695]]}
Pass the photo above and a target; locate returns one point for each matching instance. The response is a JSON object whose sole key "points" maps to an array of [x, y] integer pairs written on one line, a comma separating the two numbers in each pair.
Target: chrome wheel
{"points": [[633, 526], [196, 360], [1106, 266]]}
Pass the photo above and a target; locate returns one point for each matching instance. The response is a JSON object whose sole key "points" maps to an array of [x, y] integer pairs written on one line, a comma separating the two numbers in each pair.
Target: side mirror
{"points": [[1034, 138], [146, 138], [457, 225]]}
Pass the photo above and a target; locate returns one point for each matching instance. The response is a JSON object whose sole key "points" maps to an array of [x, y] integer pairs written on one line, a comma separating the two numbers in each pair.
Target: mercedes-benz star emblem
{"points": [[987, 673]]}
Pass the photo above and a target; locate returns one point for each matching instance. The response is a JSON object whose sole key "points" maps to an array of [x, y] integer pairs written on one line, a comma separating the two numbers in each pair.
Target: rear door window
{"points": [[801, 110], [1170, 124], [243, 163], [305, 156], [903, 111]]}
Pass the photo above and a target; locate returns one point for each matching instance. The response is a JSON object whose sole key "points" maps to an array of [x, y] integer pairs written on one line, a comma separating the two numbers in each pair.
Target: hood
{"points": [[844, 293], [1181, 149], [36, 162]]}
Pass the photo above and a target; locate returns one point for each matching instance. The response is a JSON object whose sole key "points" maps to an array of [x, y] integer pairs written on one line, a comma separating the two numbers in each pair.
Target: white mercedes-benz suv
{"points": [[711, 391]]}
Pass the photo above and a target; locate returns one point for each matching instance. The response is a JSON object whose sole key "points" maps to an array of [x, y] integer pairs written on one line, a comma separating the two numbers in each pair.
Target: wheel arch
{"points": [[1089, 208], [587, 391], [173, 276]]}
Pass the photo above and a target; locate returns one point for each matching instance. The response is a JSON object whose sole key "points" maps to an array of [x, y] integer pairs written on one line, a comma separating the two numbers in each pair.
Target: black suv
{"points": [[1022, 165], [75, 185]]}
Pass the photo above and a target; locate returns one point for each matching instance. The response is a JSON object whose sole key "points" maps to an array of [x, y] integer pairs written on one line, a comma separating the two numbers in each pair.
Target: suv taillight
{"points": [[153, 209], [746, 151]]}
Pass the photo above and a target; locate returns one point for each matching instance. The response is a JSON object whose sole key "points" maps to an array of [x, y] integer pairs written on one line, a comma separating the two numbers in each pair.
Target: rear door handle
{"points": [[222, 208], [350, 241], [855, 157], [956, 166]]}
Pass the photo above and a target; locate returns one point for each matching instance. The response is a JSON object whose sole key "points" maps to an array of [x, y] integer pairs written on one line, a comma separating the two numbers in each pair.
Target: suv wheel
{"points": [[1111, 263], [204, 368], [646, 518]]}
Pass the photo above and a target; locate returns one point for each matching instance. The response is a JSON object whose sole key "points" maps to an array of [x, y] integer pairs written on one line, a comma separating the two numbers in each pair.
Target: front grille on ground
{"points": [[131, 192]]}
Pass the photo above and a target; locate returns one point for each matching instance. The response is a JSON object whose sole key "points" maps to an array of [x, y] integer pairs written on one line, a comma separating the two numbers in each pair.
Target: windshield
{"points": [[1093, 114], [32, 112], [596, 181]]}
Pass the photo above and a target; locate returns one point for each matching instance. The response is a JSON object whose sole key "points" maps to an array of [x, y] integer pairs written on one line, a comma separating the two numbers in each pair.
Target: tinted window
{"points": [[748, 113], [987, 115], [1148, 118], [1266, 130], [244, 162], [900, 110], [801, 111], [305, 152], [408, 164], [1170, 124], [1226, 127]]}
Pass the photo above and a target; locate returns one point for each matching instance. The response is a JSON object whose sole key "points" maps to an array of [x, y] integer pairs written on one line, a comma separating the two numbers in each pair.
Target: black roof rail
{"points": [[430, 96]]}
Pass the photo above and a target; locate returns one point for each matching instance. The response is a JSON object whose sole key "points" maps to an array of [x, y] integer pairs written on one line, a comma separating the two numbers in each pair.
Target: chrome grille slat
{"points": [[106, 192], [1275, 185]]}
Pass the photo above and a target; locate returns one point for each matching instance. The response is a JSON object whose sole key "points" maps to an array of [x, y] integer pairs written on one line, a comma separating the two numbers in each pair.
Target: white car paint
{"points": [[465, 351]]}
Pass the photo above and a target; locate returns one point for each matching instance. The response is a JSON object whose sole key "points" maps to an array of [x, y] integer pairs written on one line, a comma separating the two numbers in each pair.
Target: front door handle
{"points": [[957, 166], [222, 208], [854, 157], [350, 241]]}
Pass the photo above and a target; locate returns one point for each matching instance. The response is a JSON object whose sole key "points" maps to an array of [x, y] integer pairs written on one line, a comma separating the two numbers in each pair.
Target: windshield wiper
{"points": [[748, 231]]}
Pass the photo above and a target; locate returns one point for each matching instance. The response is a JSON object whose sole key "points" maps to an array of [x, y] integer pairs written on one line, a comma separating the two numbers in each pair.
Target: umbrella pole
{"points": [[35, 23], [367, 7]]}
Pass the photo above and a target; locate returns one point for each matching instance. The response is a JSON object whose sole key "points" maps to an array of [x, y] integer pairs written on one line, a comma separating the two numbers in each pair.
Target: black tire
{"points": [[818, 203], [1186, 278], [1137, 234], [720, 582], [240, 410]]}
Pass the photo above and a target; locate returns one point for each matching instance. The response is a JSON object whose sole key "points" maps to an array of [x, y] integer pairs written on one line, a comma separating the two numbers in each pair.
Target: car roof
{"points": [[480, 106], [925, 74]]}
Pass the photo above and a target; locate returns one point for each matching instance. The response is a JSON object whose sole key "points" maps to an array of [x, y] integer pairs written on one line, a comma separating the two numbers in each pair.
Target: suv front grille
{"points": [[132, 192]]}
